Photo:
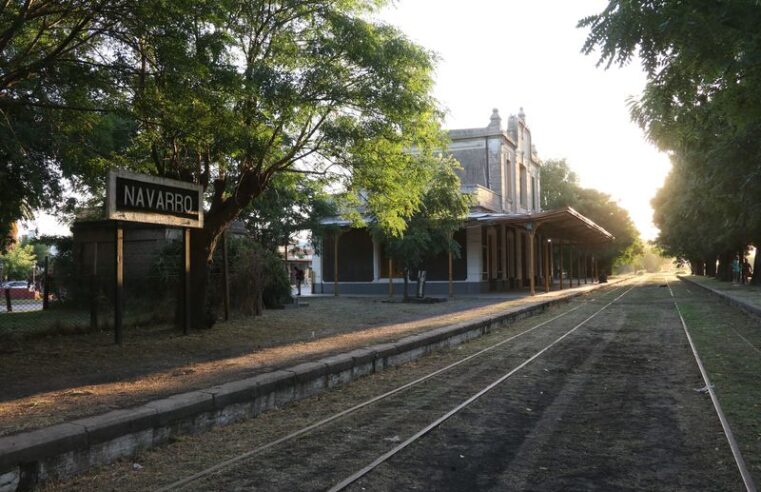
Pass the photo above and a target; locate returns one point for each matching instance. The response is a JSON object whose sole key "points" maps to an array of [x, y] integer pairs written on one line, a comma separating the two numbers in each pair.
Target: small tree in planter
{"points": [[429, 231]]}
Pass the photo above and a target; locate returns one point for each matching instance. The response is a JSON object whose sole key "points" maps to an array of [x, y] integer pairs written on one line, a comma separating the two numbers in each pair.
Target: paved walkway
{"points": [[746, 297]]}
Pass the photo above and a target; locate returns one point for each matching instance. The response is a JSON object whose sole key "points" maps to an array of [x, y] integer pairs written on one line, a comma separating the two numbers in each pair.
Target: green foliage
{"points": [[560, 185], [560, 188], [702, 104], [18, 262], [54, 87], [230, 95], [289, 205], [256, 272], [429, 231]]}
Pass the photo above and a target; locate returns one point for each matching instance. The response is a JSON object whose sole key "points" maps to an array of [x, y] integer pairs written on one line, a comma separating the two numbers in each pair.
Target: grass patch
{"points": [[727, 341]]}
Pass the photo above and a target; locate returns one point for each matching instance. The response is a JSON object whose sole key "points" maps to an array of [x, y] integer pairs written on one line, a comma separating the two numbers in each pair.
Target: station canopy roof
{"points": [[559, 224]]}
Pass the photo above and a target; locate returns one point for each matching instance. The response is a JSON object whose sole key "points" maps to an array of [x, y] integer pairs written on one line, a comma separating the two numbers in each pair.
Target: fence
{"points": [[74, 292]]}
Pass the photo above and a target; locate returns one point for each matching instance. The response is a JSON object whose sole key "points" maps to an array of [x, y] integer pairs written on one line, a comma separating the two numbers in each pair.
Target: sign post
{"points": [[147, 199]]}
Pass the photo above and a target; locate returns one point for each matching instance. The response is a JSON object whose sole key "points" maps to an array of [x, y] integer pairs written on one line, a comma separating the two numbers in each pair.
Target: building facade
{"points": [[506, 242]]}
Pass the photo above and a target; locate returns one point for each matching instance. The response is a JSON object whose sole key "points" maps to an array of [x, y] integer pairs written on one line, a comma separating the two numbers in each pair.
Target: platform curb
{"points": [[64, 450], [748, 308]]}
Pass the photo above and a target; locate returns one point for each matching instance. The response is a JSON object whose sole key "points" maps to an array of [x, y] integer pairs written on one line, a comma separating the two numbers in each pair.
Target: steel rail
{"points": [[433, 425], [750, 486], [305, 430]]}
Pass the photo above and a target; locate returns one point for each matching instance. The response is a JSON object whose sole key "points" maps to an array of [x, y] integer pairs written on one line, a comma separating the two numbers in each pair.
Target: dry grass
{"points": [[54, 379]]}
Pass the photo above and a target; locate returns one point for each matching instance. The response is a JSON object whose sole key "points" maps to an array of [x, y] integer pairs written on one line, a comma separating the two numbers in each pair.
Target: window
{"points": [[522, 183], [533, 192]]}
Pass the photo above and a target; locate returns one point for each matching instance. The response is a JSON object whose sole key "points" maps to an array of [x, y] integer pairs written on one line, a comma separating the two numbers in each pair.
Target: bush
{"points": [[257, 277]]}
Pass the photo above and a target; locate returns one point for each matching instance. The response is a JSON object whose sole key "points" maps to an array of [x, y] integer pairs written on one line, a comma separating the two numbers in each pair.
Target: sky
{"points": [[508, 54]]}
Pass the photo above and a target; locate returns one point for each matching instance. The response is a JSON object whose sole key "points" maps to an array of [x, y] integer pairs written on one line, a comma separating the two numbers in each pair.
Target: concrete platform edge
{"points": [[27, 459], [748, 308]]}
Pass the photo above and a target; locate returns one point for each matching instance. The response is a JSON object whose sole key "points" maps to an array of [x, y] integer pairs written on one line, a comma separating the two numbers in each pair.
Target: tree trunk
{"points": [[711, 266], [421, 274], [724, 272], [202, 245], [406, 296], [756, 274]]}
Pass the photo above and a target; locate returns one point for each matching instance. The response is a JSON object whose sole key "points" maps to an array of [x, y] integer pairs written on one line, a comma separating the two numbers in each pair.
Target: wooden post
{"points": [[390, 277], [560, 254], [578, 268], [8, 304], [451, 285], [226, 276], [594, 269], [119, 287], [94, 289], [531, 246], [45, 286], [586, 268], [186, 280], [335, 264], [546, 265]]}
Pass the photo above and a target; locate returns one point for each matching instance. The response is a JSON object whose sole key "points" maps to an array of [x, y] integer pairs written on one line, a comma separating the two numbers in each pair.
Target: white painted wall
{"points": [[317, 266], [473, 241]]}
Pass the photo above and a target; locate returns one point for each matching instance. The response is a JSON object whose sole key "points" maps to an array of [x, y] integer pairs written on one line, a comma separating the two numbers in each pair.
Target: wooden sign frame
{"points": [[174, 215]]}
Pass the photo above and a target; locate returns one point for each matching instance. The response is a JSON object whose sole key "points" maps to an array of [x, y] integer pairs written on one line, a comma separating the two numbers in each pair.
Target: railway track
{"points": [[468, 380], [241, 457], [436, 423]]}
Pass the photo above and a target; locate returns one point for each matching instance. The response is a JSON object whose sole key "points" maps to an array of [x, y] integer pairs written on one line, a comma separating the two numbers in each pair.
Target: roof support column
{"points": [[449, 266], [552, 261], [586, 267], [531, 248], [546, 248], [505, 268], [390, 277], [560, 273]]}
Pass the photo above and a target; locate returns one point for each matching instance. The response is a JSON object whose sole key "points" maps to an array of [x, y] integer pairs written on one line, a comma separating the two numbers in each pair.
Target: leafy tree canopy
{"points": [[702, 104], [18, 262], [560, 188], [229, 95], [429, 231]]}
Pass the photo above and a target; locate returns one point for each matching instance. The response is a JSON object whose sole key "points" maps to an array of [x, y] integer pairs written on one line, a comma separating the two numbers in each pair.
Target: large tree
{"points": [[231, 94], [702, 104], [52, 94]]}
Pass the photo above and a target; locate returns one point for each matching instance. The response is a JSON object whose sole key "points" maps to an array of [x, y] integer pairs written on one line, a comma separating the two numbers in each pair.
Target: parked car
{"points": [[19, 289]]}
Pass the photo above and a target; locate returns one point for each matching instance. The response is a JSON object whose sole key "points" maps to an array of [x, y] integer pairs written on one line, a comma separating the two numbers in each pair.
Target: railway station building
{"points": [[507, 241]]}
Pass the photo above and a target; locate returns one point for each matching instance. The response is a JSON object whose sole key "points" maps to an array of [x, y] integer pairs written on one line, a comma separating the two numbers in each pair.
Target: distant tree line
{"points": [[561, 188], [702, 105]]}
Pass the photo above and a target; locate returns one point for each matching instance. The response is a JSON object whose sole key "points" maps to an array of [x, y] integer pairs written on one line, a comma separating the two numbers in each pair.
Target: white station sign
{"points": [[136, 197]]}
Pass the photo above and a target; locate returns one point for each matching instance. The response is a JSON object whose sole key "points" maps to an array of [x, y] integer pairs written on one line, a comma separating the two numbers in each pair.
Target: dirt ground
{"points": [[613, 406], [50, 380]]}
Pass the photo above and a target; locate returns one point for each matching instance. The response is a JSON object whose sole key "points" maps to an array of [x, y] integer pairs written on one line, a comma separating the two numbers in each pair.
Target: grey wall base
{"points": [[63, 450]]}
